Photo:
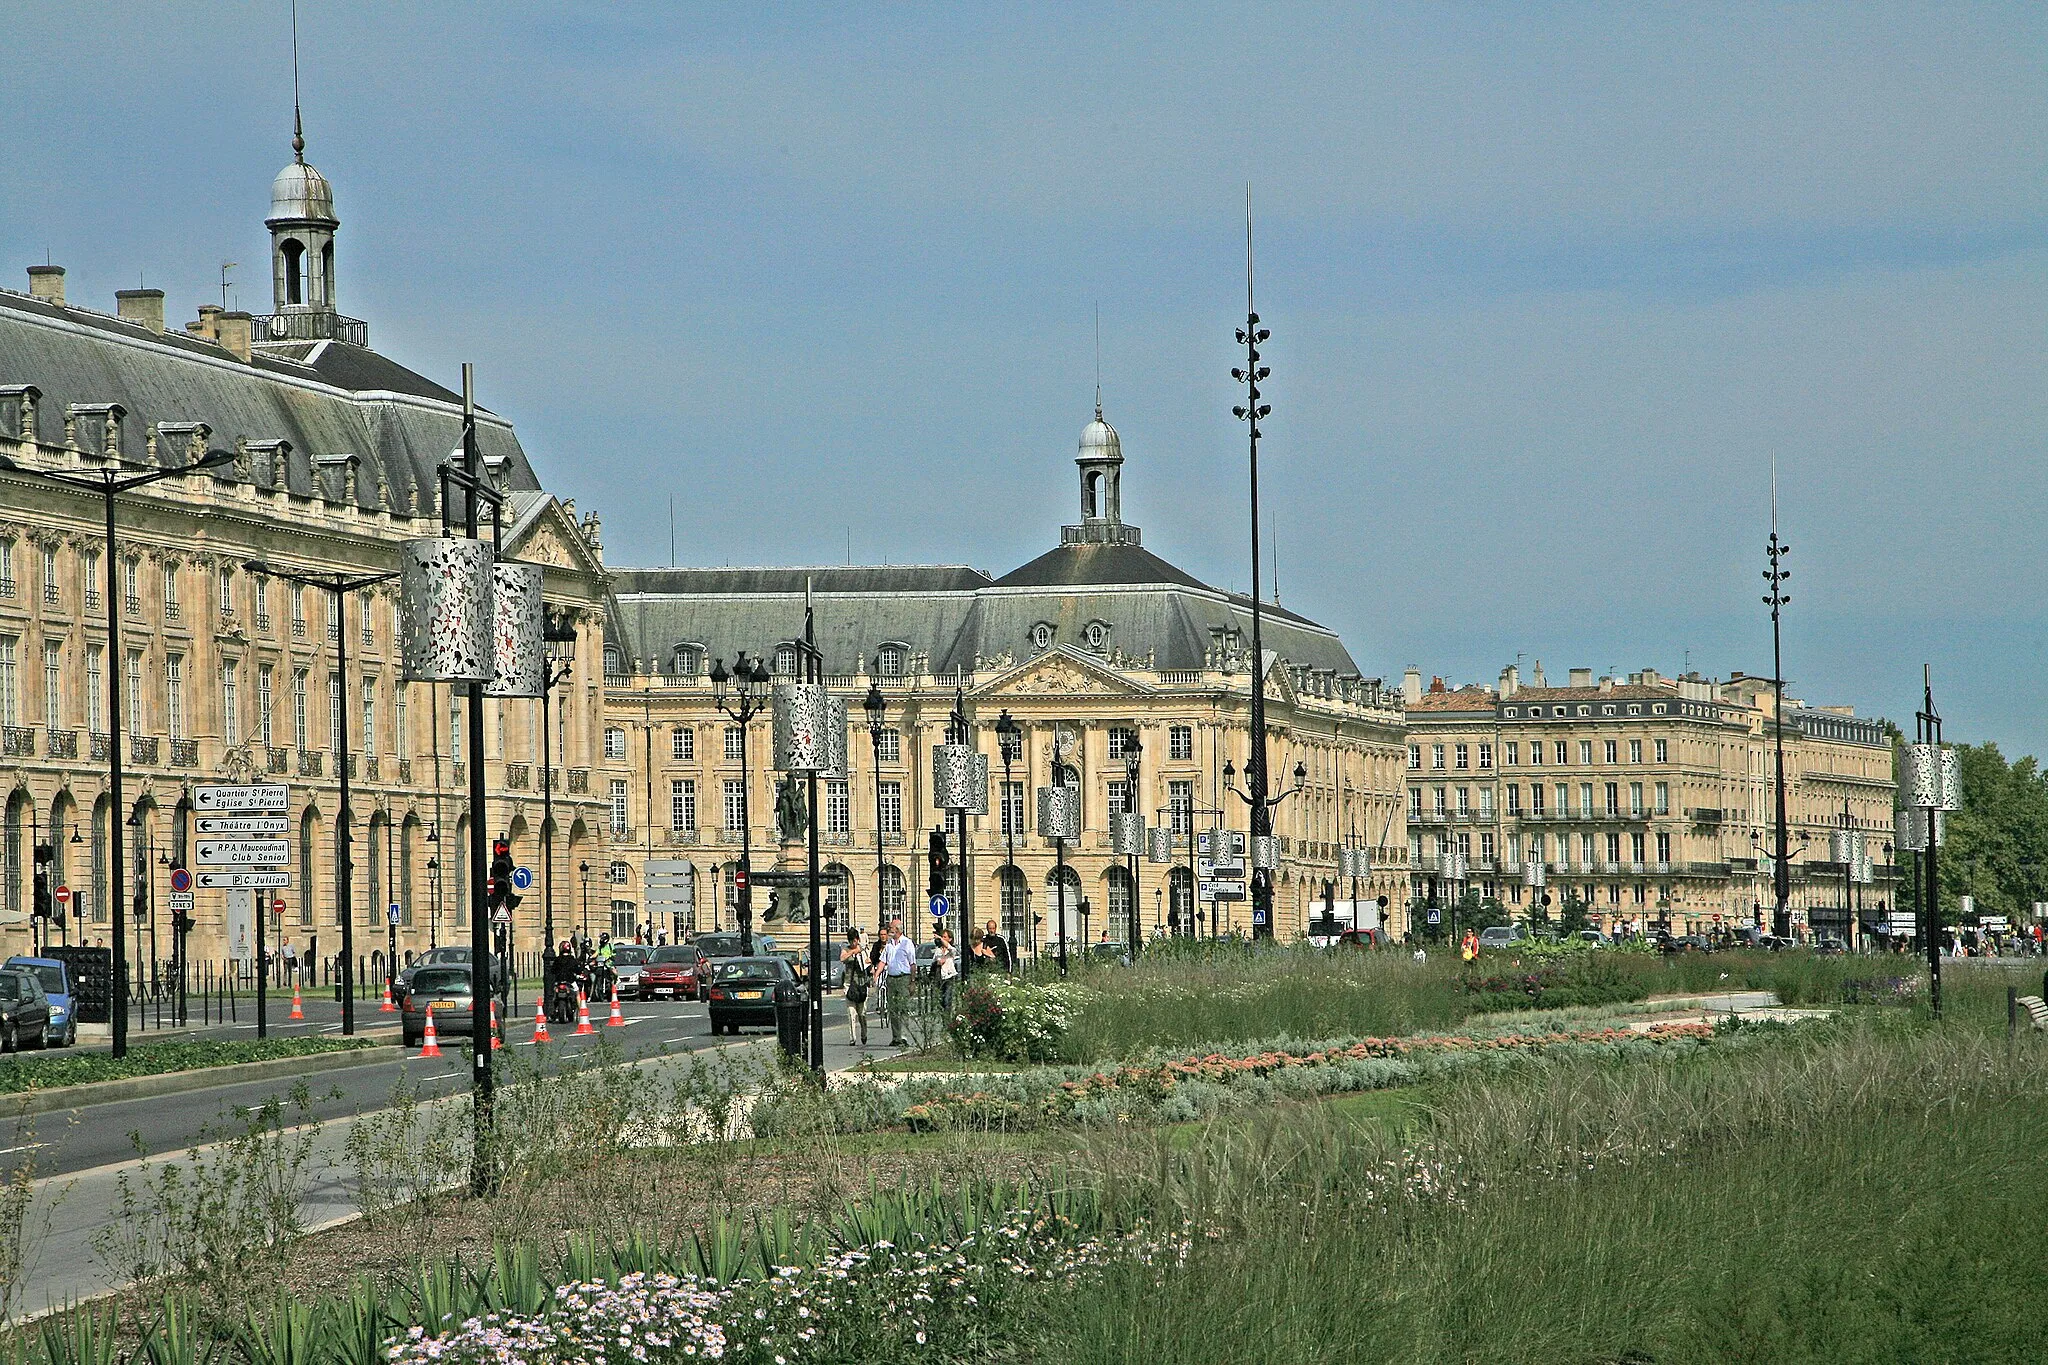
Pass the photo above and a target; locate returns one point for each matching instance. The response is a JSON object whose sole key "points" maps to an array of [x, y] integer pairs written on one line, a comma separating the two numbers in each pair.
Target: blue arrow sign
{"points": [[522, 878], [939, 907]]}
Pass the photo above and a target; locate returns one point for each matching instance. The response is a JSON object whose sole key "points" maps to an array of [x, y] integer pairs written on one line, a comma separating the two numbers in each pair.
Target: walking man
{"points": [[899, 960]]}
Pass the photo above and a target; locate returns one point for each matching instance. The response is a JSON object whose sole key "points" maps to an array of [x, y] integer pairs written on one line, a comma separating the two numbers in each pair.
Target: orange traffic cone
{"points": [[540, 1022], [496, 1042], [583, 1014], [387, 1007], [617, 1020], [296, 1013], [430, 1046]]}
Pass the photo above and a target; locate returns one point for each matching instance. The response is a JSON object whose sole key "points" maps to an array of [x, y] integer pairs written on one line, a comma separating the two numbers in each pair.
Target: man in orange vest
{"points": [[1469, 948]]}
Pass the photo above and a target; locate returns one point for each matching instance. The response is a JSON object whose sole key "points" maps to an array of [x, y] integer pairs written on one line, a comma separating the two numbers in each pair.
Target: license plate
{"points": [[749, 995], [449, 1005]]}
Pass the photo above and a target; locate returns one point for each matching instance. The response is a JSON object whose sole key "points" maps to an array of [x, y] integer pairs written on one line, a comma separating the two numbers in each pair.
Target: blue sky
{"points": [[1550, 287]]}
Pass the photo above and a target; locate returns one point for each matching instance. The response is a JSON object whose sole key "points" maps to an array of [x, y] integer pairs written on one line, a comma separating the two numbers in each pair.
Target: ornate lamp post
{"points": [[1776, 599], [1265, 848], [748, 699], [558, 668], [1132, 835], [109, 484], [1010, 743], [874, 705], [1252, 412]]}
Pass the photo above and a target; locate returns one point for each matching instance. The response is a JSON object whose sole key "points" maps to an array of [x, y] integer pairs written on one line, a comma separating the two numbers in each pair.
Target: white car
{"points": [[628, 959]]}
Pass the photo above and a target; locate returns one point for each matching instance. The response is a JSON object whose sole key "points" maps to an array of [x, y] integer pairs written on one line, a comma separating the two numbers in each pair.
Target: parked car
{"points": [[24, 1011], [673, 972], [448, 955], [745, 990], [1362, 938], [1830, 946], [1502, 935], [55, 978], [446, 992], [1592, 936], [627, 961]]}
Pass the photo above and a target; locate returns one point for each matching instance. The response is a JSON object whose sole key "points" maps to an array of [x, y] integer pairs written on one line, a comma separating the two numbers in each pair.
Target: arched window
{"points": [[309, 827], [889, 662], [1063, 892], [838, 902], [895, 899], [100, 847], [689, 660], [11, 852], [1089, 487], [294, 252], [1016, 902], [408, 839], [1119, 898], [461, 861], [379, 853], [620, 872], [327, 273], [785, 660]]}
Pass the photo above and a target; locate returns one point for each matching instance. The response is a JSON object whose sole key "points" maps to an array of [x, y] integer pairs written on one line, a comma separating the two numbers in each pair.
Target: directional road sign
{"points": [[522, 878], [242, 825], [242, 852], [181, 880], [1232, 841], [1220, 890], [940, 909], [239, 881], [1225, 867], [267, 797]]}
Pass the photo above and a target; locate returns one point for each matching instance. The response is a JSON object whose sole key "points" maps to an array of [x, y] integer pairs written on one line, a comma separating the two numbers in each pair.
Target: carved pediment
{"points": [[1061, 672]]}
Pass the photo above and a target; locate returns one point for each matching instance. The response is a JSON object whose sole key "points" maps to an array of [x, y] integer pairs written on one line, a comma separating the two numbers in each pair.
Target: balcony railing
{"points": [[312, 763], [309, 325], [63, 743], [184, 753], [371, 768], [51, 595], [517, 777], [102, 747], [461, 771], [405, 772], [277, 761], [143, 749], [263, 623], [579, 781], [92, 599], [685, 838], [18, 741]]}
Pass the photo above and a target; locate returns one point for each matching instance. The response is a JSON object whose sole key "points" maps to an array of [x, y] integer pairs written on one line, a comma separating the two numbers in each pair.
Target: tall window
{"points": [[890, 747], [619, 811], [95, 703], [1486, 755], [170, 591], [131, 585], [892, 808], [1609, 753], [1585, 753], [1462, 757], [1635, 751], [1661, 751], [1635, 798], [1513, 756], [369, 716], [1180, 743], [1415, 756], [889, 661], [1436, 757], [1514, 798], [333, 708], [1663, 848], [298, 609], [1559, 755], [263, 604], [230, 701], [894, 894], [300, 738], [53, 684], [735, 805], [1122, 740], [457, 716], [1663, 798], [1415, 803], [1180, 805], [227, 590], [614, 742], [1635, 847], [1613, 795], [1119, 796], [135, 707], [1013, 808], [174, 694], [52, 594], [400, 742], [1119, 905], [307, 834], [838, 807], [264, 685], [1585, 798], [682, 804], [735, 742], [683, 744], [9, 694], [1536, 799], [1613, 848]]}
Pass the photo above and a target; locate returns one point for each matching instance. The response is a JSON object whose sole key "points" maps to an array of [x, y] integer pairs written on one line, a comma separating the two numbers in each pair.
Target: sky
{"points": [[1552, 288]]}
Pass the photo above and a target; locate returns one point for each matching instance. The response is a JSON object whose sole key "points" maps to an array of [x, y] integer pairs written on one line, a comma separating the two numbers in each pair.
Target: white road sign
{"points": [[179, 900], [242, 852], [1220, 890], [269, 796], [1226, 867], [1233, 842], [242, 881], [243, 824]]}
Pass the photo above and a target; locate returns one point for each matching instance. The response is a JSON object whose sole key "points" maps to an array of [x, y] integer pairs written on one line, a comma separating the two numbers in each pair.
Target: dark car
{"points": [[446, 993], [56, 980], [674, 972], [24, 1011], [448, 955], [744, 990]]}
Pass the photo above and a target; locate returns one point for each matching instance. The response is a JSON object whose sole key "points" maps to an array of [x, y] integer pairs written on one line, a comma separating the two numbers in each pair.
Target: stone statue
{"points": [[792, 818]]}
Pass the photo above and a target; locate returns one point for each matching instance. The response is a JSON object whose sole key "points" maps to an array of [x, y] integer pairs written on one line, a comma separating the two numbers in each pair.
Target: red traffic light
{"points": [[500, 848]]}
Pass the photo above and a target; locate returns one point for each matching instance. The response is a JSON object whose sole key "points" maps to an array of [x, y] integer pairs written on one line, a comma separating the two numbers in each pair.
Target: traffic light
{"points": [[45, 907], [500, 889], [936, 885]]}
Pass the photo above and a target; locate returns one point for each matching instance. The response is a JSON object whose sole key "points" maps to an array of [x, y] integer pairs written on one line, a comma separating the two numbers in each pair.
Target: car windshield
{"points": [[751, 969], [448, 955], [630, 955], [12, 987], [678, 954], [446, 980], [718, 945], [52, 978]]}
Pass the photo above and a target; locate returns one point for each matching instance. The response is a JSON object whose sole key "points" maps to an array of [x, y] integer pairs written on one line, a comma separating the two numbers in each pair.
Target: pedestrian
{"points": [[947, 967], [899, 960], [853, 958], [291, 962], [994, 949]]}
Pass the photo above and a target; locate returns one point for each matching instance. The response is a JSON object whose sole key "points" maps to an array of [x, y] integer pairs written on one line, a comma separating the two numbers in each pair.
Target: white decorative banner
{"points": [[518, 647], [803, 716], [1059, 813], [444, 602]]}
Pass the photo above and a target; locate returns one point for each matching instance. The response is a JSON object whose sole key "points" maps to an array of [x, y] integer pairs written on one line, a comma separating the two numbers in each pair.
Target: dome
{"points": [[301, 192], [1099, 441]]}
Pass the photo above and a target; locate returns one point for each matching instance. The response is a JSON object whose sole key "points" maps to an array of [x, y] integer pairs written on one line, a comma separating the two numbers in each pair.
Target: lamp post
{"points": [[748, 700], [1252, 412], [109, 484], [874, 705], [1263, 849], [1775, 551], [434, 890], [959, 733], [1131, 808], [339, 586], [583, 870], [554, 673], [1010, 744]]}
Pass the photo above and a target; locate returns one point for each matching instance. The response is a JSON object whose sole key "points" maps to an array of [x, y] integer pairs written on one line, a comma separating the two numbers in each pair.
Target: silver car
{"points": [[627, 961]]}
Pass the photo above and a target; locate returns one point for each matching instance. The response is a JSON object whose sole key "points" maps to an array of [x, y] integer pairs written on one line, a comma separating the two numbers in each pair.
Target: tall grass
{"points": [[1863, 1192]]}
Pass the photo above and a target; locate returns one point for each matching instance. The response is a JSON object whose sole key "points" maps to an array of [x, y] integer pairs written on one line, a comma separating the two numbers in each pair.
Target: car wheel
{"points": [[71, 1034]]}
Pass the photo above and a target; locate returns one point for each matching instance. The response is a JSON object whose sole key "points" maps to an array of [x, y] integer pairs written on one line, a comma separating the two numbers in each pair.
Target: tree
{"points": [[1571, 916], [1995, 848]]}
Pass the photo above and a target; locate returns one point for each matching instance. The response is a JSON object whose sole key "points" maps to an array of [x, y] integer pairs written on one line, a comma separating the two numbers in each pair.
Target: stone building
{"points": [[1101, 651], [1648, 798], [229, 676]]}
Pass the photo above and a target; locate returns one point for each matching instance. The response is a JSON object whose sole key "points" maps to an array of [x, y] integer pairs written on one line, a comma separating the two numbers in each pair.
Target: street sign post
{"points": [[522, 878], [940, 908], [1220, 890], [241, 825], [242, 852], [219, 800], [245, 880], [63, 895]]}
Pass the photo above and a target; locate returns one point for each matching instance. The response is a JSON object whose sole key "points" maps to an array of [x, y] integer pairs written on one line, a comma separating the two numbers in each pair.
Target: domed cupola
{"points": [[302, 226], [1102, 462]]}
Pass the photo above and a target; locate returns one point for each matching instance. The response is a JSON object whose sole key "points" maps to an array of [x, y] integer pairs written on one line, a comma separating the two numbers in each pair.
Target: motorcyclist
{"points": [[563, 973]]}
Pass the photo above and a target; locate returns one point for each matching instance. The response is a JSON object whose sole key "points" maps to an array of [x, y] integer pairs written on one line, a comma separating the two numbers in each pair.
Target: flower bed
{"points": [[1179, 1089]]}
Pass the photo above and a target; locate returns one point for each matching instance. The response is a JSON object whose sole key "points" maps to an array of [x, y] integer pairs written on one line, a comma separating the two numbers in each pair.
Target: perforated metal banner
{"points": [[1127, 835], [444, 610], [1265, 852], [803, 716], [1159, 845], [1931, 778], [518, 644], [960, 778], [1059, 813]]}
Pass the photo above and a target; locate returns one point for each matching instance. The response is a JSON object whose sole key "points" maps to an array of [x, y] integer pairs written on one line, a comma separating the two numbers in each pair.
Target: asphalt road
{"points": [[67, 1141]]}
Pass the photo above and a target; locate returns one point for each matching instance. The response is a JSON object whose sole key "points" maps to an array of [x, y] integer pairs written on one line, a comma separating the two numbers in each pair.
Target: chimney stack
{"points": [[204, 326], [1582, 677], [1411, 685], [46, 282], [143, 307], [1510, 681], [234, 334]]}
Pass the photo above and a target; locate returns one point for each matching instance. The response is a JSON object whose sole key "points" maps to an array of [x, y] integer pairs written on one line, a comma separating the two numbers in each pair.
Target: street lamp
{"points": [[583, 870], [874, 705], [1131, 808], [108, 484], [1010, 744], [1264, 850], [340, 585], [749, 699], [1251, 412], [555, 672], [1775, 551]]}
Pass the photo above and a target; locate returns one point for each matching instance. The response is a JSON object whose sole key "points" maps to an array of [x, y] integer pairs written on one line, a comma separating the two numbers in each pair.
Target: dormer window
{"points": [[1041, 636], [689, 660], [889, 661], [785, 660], [1097, 636]]}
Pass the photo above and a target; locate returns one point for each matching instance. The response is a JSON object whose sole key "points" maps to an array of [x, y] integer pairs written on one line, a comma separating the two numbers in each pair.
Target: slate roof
{"points": [[327, 398]]}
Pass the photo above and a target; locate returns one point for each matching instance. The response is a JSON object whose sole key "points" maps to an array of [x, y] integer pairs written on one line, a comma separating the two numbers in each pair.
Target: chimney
{"points": [[1650, 677], [1510, 681], [207, 326], [1582, 677], [143, 307], [46, 282], [1536, 676], [1411, 685], [1607, 684], [234, 334]]}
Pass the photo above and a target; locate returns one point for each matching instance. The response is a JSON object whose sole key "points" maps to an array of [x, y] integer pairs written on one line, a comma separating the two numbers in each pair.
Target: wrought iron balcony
{"points": [[143, 749], [310, 325], [18, 741], [102, 747], [184, 753], [312, 763], [579, 781], [63, 743], [277, 761], [517, 777]]}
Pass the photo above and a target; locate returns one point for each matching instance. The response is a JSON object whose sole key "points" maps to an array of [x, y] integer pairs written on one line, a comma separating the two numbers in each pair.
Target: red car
{"points": [[671, 973]]}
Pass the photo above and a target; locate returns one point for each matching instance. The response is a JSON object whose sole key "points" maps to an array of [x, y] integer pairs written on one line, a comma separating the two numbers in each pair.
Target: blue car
{"points": [[56, 979]]}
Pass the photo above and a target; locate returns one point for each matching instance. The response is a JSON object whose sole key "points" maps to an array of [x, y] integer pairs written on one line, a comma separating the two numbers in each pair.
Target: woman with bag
{"points": [[853, 959], [946, 963]]}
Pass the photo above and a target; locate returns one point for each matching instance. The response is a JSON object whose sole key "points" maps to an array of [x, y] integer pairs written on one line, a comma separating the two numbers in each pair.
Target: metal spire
{"points": [[298, 127], [1098, 361]]}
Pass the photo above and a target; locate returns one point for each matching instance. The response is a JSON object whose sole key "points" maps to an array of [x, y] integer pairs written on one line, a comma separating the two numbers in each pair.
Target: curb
{"points": [[178, 1082]]}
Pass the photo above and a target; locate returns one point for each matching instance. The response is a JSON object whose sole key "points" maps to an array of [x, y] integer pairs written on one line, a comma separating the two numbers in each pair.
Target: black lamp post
{"points": [[1252, 412], [340, 586], [108, 484], [555, 672], [874, 705], [1254, 795], [1131, 808], [1010, 744], [1775, 550], [748, 700], [583, 870]]}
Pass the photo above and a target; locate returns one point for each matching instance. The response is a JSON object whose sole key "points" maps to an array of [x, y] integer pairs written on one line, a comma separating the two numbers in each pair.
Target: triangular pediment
{"points": [[1061, 671], [1279, 680], [550, 536]]}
